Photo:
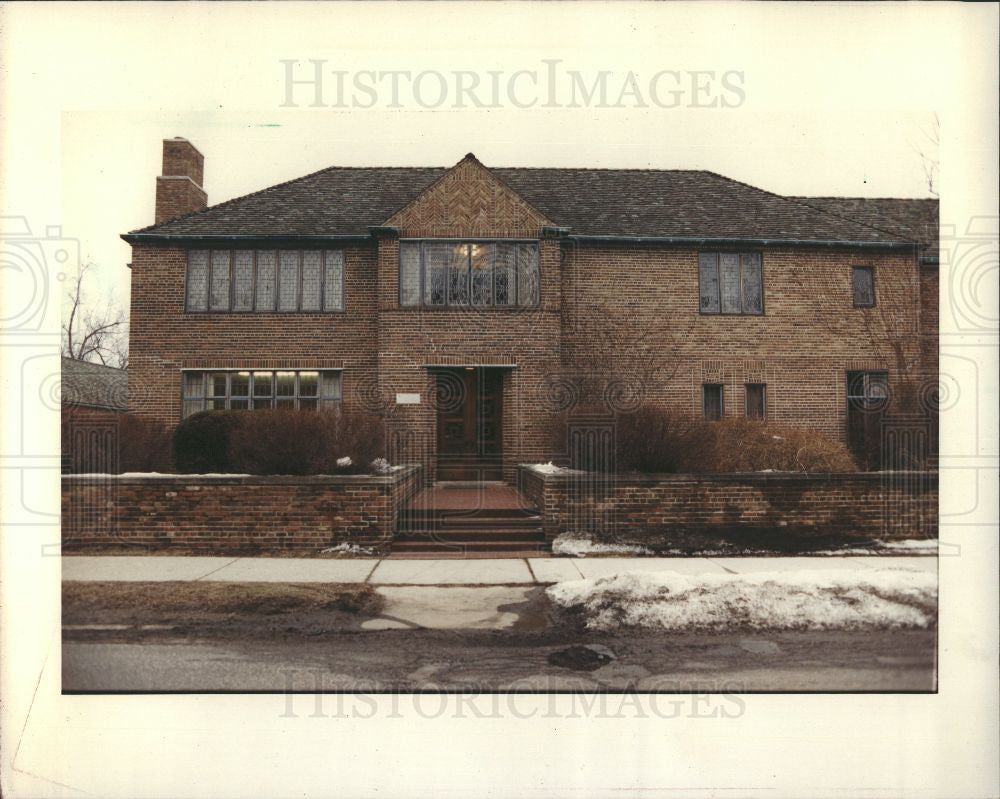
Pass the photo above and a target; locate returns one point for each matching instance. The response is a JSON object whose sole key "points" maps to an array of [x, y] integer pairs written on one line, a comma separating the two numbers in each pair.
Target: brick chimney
{"points": [[178, 189]]}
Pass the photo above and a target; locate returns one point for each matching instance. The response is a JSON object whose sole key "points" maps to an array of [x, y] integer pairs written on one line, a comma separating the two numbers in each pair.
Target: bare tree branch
{"points": [[95, 333]]}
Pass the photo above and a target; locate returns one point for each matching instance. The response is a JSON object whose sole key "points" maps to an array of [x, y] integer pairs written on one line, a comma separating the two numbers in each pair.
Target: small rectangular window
{"points": [[864, 286], [756, 401], [712, 401]]}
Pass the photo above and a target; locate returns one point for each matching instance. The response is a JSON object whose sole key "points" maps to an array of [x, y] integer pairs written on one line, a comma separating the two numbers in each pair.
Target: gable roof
{"points": [[93, 385], [915, 219], [617, 203]]}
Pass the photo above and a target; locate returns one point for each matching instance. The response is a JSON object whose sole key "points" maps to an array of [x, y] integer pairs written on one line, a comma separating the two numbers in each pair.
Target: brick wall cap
{"points": [[247, 479], [743, 477]]}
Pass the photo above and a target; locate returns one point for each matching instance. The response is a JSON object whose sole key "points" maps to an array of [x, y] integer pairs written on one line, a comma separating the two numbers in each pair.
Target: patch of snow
{"points": [[579, 546], [912, 546], [345, 461], [551, 468], [814, 600], [380, 466], [160, 474], [346, 548]]}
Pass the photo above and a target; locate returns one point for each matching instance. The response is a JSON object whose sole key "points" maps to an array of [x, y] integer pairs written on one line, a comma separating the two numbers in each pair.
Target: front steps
{"points": [[463, 520]]}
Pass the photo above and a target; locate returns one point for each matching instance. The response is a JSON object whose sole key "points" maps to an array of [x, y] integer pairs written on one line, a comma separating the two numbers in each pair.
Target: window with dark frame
{"points": [[863, 281], [712, 406], [281, 281], [440, 273], [756, 401], [730, 283], [258, 389]]}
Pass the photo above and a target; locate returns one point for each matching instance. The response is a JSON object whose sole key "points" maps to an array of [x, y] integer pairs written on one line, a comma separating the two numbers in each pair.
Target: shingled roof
{"points": [[915, 219], [93, 385], [616, 203]]}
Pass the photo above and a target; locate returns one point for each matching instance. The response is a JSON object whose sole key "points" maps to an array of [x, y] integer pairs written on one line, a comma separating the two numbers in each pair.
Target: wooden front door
{"points": [[469, 412]]}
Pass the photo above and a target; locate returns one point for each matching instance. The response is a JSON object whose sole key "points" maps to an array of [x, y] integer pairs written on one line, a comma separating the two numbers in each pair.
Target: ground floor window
{"points": [[240, 390], [756, 401], [712, 401]]}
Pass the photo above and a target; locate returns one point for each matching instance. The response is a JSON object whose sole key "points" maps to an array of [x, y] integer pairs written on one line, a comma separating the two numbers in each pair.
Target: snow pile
{"points": [[911, 546], [578, 546], [915, 545], [346, 548], [811, 600], [381, 466], [551, 468]]}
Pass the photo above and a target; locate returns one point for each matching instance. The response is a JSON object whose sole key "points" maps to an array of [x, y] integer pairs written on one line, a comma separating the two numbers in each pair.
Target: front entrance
{"points": [[469, 428]]}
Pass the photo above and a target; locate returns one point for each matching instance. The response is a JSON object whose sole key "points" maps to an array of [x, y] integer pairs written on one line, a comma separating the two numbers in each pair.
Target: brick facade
{"points": [[234, 513], [888, 505], [623, 318]]}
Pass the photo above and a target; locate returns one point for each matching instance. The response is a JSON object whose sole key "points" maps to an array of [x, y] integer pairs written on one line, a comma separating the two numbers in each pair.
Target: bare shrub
{"points": [[298, 443], [748, 445], [144, 445], [653, 439]]}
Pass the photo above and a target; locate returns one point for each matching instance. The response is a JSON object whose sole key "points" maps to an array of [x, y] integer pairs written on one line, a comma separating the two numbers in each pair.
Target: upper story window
{"points": [[863, 282], [438, 273], [731, 283], [243, 281]]}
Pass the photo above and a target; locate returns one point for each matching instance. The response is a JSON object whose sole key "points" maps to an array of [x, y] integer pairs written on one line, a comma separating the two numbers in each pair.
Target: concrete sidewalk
{"points": [[495, 571]]}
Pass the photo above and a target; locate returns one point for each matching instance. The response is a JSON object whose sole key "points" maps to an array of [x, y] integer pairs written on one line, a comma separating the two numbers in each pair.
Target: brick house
{"points": [[473, 305]]}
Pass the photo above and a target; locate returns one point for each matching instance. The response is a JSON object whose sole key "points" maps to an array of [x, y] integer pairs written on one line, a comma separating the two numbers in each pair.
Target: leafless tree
{"points": [[95, 332]]}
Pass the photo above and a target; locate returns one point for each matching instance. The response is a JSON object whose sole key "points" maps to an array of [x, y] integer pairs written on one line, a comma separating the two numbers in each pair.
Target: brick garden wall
{"points": [[234, 513], [887, 505]]}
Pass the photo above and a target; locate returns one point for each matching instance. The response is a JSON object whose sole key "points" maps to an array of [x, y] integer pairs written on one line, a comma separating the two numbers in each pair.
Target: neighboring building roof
{"points": [[93, 385], [618, 203], [915, 219]]}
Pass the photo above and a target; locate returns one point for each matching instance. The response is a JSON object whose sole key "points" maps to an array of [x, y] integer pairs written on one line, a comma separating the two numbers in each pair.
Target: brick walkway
{"points": [[468, 497]]}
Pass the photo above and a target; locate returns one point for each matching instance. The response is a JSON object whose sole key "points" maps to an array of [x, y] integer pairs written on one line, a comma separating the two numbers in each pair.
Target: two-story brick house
{"points": [[472, 305]]}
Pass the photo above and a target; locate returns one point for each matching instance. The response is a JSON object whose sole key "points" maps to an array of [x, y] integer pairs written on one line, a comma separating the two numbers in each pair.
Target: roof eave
{"points": [[709, 241], [239, 238]]}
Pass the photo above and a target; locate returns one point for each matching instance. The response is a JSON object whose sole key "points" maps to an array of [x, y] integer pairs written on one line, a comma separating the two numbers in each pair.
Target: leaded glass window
{"points": [[491, 273], [242, 281], [730, 283]]}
